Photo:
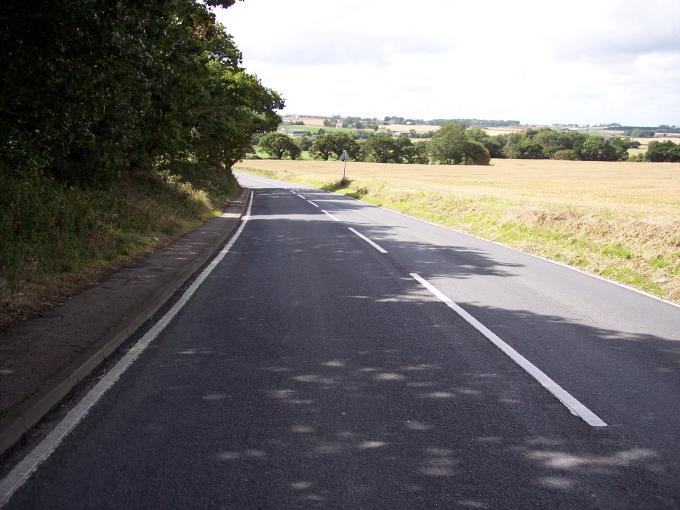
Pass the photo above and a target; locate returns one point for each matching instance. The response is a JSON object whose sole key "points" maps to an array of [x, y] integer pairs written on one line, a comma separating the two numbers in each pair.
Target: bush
{"points": [[565, 154], [663, 151], [476, 154]]}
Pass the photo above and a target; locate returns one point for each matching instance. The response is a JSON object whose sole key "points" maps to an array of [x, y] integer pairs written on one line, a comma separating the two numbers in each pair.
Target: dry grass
{"points": [[418, 128], [309, 121], [493, 131], [619, 220]]}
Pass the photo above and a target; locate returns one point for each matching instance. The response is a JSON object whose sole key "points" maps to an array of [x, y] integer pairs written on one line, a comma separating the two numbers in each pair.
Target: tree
{"points": [[382, 148], [322, 147], [304, 142], [492, 144], [451, 145], [278, 144], [476, 153], [421, 153], [596, 148], [553, 141], [94, 90], [663, 151], [328, 144], [448, 145], [525, 149], [565, 154]]}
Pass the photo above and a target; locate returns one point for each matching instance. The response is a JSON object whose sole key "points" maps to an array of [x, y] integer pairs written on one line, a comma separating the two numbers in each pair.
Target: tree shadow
{"points": [[308, 374]]}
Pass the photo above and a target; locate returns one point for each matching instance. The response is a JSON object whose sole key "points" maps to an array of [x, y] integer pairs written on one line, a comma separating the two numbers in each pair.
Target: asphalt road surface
{"points": [[313, 369]]}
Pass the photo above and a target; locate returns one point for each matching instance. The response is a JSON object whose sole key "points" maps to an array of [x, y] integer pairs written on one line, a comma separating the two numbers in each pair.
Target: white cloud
{"points": [[583, 61]]}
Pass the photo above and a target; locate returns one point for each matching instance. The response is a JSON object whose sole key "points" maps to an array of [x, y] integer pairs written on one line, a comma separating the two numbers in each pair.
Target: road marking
{"points": [[312, 203], [329, 214], [22, 471], [381, 250], [575, 407], [512, 248], [303, 198]]}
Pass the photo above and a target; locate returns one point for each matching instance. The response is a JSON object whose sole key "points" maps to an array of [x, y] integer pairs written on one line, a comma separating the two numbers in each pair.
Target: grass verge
{"points": [[608, 238], [56, 240]]}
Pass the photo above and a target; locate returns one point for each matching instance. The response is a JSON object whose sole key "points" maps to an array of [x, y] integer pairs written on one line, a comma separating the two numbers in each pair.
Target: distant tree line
{"points": [[455, 144], [351, 122], [551, 144], [440, 122], [644, 131], [450, 145]]}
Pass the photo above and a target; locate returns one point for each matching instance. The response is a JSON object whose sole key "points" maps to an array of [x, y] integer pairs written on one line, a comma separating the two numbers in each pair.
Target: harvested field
{"points": [[418, 128], [618, 220], [309, 121], [493, 131]]}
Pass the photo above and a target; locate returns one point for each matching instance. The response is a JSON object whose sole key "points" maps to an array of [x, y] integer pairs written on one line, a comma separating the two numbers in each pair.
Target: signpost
{"points": [[344, 157]]}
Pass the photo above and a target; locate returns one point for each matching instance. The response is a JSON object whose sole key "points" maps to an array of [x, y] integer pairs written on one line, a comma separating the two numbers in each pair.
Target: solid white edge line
{"points": [[381, 250], [23, 470], [561, 264], [315, 205], [575, 407], [329, 215]]}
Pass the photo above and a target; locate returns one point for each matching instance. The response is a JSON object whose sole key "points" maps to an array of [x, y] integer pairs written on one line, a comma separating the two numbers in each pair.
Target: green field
{"points": [[313, 129]]}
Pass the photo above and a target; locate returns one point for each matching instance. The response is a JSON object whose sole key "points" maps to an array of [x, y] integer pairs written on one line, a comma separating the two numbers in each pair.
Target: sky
{"points": [[539, 62]]}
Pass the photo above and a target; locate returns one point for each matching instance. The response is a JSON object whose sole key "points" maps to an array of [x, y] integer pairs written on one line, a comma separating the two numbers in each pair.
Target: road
{"points": [[313, 369]]}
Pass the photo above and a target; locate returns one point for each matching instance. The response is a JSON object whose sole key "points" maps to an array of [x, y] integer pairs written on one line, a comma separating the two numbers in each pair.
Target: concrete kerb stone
{"points": [[31, 411]]}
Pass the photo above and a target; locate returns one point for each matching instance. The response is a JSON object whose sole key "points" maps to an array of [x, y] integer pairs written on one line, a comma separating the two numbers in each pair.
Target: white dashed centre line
{"points": [[312, 203], [380, 249], [329, 215], [575, 407]]}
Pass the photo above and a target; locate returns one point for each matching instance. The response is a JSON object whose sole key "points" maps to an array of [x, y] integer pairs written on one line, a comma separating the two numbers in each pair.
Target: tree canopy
{"points": [[278, 144], [450, 145], [332, 144], [91, 89]]}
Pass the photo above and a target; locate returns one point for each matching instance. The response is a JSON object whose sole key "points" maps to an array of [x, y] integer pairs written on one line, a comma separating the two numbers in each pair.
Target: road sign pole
{"points": [[344, 157]]}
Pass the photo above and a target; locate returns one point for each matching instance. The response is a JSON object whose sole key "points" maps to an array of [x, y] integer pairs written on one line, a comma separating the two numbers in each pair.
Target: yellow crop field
{"points": [[616, 219], [418, 128], [308, 121], [493, 131]]}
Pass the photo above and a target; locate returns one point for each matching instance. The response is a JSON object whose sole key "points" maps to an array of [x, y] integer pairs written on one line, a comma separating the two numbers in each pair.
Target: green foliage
{"points": [[597, 148], [119, 123], [278, 144], [448, 145], [548, 143], [53, 235], [304, 142], [94, 90], [553, 141], [565, 154], [663, 151], [382, 148], [476, 153], [525, 149], [327, 144], [493, 144], [451, 145]]}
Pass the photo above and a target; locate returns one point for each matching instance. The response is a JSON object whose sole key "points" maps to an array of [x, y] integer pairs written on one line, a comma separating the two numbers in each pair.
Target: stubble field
{"points": [[617, 220]]}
